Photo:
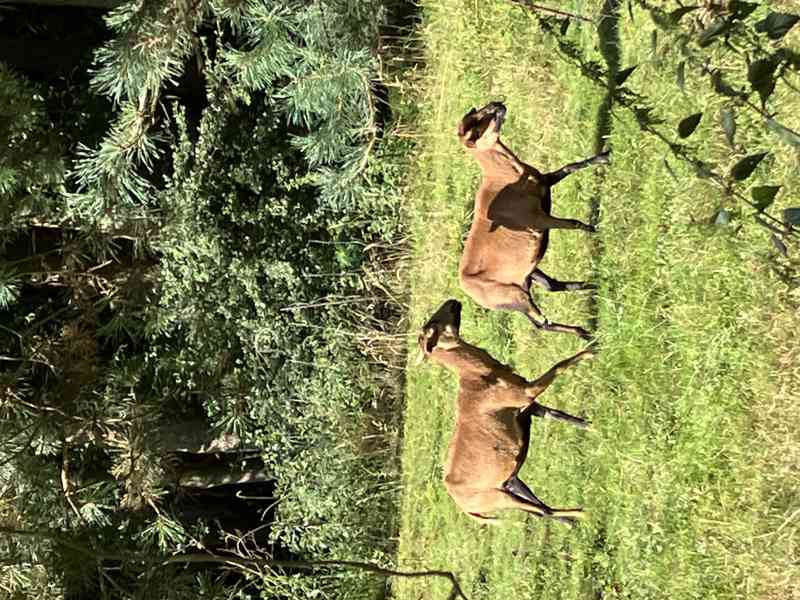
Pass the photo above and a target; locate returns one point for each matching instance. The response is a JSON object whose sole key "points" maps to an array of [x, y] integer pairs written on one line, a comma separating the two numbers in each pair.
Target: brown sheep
{"points": [[493, 419], [510, 227]]}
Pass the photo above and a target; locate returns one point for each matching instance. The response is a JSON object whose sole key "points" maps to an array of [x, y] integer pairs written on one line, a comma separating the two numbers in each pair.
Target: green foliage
{"points": [[255, 317], [688, 124], [720, 34], [112, 166], [764, 195], [729, 125], [151, 43], [777, 25], [745, 167], [316, 61], [31, 157], [219, 255], [9, 286]]}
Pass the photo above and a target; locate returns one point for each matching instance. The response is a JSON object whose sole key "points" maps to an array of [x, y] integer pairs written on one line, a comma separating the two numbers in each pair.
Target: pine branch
{"points": [[153, 41]]}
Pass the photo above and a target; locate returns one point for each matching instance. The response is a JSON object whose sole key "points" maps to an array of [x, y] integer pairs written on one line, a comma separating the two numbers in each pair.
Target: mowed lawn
{"points": [[691, 477]]}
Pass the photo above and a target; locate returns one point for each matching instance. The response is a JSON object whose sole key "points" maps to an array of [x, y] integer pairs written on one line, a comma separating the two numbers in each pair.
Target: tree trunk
{"points": [[193, 436], [215, 475]]}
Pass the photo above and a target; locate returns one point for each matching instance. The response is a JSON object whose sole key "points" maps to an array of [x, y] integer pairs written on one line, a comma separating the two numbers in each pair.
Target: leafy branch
{"points": [[643, 111], [552, 11]]}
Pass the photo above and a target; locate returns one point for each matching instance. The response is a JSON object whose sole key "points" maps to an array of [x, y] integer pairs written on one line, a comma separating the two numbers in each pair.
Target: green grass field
{"points": [[691, 478]]}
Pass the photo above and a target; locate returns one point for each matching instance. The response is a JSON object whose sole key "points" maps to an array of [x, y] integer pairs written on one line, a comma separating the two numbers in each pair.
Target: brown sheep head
{"points": [[480, 129], [441, 332]]}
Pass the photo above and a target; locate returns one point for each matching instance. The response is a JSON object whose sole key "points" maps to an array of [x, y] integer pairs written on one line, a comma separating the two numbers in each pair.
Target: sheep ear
{"points": [[462, 130], [466, 138], [431, 341]]}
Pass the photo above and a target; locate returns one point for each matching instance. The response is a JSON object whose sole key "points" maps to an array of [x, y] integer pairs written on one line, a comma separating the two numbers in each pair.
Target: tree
{"points": [[202, 260]]}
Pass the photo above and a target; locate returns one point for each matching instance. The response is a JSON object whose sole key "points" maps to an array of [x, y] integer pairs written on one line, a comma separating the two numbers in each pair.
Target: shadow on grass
{"points": [[608, 35], [609, 42]]}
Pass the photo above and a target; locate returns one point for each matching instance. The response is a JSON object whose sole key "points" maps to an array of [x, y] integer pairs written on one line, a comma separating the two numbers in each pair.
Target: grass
{"points": [[690, 479]]}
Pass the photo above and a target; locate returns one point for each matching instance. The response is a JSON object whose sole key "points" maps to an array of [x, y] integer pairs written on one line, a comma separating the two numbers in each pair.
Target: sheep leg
{"points": [[522, 497], [503, 296], [495, 499], [546, 325], [553, 178], [517, 488], [539, 410], [539, 321], [535, 388], [553, 285], [545, 221]]}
